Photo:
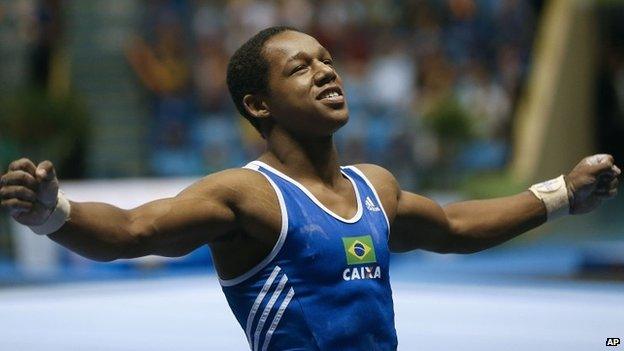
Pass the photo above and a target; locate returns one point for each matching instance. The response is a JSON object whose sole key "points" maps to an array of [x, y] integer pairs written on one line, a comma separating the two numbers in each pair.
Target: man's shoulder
{"points": [[237, 176], [379, 176], [384, 183], [232, 184]]}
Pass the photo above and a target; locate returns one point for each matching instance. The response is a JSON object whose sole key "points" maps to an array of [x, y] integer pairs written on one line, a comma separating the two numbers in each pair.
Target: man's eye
{"points": [[328, 62], [298, 68]]}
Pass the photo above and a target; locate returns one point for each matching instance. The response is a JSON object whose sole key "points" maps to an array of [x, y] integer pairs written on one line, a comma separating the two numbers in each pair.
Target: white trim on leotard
{"points": [[355, 218], [370, 185], [278, 244]]}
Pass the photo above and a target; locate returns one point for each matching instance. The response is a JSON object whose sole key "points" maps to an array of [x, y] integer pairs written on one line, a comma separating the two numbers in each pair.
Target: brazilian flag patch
{"points": [[359, 249]]}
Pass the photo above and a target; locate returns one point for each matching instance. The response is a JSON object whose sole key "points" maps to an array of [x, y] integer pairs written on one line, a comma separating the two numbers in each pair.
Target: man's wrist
{"points": [[571, 190], [56, 219], [555, 194]]}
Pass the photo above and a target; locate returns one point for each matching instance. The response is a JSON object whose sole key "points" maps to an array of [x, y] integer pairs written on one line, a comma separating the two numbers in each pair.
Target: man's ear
{"points": [[256, 106]]}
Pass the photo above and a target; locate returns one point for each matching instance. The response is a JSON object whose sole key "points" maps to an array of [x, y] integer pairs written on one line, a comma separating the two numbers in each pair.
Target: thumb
{"points": [[48, 184], [45, 172]]}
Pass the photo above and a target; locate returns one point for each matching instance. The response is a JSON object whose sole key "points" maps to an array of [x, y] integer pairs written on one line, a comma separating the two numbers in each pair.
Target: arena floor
{"points": [[190, 313]]}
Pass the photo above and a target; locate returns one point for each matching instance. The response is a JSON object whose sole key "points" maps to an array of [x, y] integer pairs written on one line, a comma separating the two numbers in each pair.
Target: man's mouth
{"points": [[331, 96]]}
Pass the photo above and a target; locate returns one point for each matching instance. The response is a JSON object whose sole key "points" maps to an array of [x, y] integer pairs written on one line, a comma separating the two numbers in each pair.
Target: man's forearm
{"points": [[480, 224], [97, 231]]}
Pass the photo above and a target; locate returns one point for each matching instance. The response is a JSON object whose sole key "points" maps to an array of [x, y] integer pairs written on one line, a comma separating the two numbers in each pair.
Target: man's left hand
{"points": [[593, 180]]}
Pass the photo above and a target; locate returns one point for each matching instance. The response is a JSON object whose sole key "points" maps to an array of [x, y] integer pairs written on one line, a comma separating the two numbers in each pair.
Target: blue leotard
{"points": [[325, 284]]}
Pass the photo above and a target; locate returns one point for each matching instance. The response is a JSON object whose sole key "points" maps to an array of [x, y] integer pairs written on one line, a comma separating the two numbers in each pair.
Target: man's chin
{"points": [[344, 119], [339, 121], [340, 117], [327, 126], [338, 114]]}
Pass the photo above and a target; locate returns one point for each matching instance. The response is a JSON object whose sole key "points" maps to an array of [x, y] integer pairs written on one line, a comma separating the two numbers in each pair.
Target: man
{"points": [[301, 245]]}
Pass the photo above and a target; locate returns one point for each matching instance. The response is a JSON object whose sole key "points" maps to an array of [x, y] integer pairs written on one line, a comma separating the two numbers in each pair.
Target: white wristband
{"points": [[554, 194], [57, 218]]}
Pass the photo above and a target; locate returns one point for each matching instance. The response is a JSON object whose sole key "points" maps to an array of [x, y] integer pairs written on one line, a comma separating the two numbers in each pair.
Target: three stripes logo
{"points": [[279, 292]]}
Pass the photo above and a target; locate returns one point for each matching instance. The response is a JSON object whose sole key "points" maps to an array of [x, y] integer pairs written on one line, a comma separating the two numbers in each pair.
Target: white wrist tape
{"points": [[57, 218], [554, 194]]}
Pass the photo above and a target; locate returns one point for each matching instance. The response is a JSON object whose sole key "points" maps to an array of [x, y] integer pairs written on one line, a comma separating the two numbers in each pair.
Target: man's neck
{"points": [[311, 159]]}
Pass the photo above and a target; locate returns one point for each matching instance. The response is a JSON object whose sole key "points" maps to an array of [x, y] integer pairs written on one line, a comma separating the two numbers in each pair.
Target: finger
{"points": [[616, 170], [19, 178], [603, 166], [48, 188], [45, 171], [17, 205], [605, 178], [605, 195], [598, 158], [18, 192], [15, 213], [606, 185], [23, 164]]}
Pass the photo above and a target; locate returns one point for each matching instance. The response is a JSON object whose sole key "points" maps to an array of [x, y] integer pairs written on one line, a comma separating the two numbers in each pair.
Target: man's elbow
{"points": [[130, 239], [138, 239], [132, 245], [102, 258], [460, 241], [468, 244], [107, 253], [458, 247], [465, 249]]}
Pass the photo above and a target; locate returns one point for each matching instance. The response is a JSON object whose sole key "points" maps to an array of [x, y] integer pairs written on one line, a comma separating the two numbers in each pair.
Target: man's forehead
{"points": [[287, 44]]}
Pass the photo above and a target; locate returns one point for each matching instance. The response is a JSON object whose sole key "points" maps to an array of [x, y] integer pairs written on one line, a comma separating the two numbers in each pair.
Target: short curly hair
{"points": [[247, 71]]}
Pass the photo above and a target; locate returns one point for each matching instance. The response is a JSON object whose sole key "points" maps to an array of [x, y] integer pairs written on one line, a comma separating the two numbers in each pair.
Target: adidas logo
{"points": [[371, 205]]}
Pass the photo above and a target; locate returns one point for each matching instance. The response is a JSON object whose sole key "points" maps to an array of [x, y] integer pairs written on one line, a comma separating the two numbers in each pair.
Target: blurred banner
{"points": [[555, 121]]}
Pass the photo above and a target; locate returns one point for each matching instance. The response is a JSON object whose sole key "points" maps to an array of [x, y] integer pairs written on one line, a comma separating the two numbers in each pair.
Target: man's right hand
{"points": [[29, 192]]}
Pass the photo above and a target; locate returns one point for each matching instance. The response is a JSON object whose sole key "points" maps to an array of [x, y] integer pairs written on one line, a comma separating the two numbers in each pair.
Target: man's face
{"points": [[305, 92]]}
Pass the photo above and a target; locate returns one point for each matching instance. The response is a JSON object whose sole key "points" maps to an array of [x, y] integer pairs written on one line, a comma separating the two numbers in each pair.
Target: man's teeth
{"points": [[330, 95]]}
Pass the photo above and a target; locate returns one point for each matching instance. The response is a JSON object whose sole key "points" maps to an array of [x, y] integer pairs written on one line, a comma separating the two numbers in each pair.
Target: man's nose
{"points": [[324, 74]]}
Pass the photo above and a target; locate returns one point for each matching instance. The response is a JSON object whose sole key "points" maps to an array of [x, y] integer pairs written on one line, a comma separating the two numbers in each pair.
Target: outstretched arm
{"points": [[471, 226], [169, 227], [463, 227]]}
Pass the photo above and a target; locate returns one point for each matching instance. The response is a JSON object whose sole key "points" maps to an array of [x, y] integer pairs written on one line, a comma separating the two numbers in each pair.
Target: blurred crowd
{"points": [[431, 85]]}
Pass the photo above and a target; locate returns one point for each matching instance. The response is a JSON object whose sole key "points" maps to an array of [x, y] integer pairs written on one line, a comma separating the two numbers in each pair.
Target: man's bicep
{"points": [[175, 226], [420, 223]]}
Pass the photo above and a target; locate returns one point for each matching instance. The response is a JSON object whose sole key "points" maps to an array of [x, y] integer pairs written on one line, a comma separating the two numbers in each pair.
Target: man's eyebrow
{"points": [[301, 55], [297, 56]]}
